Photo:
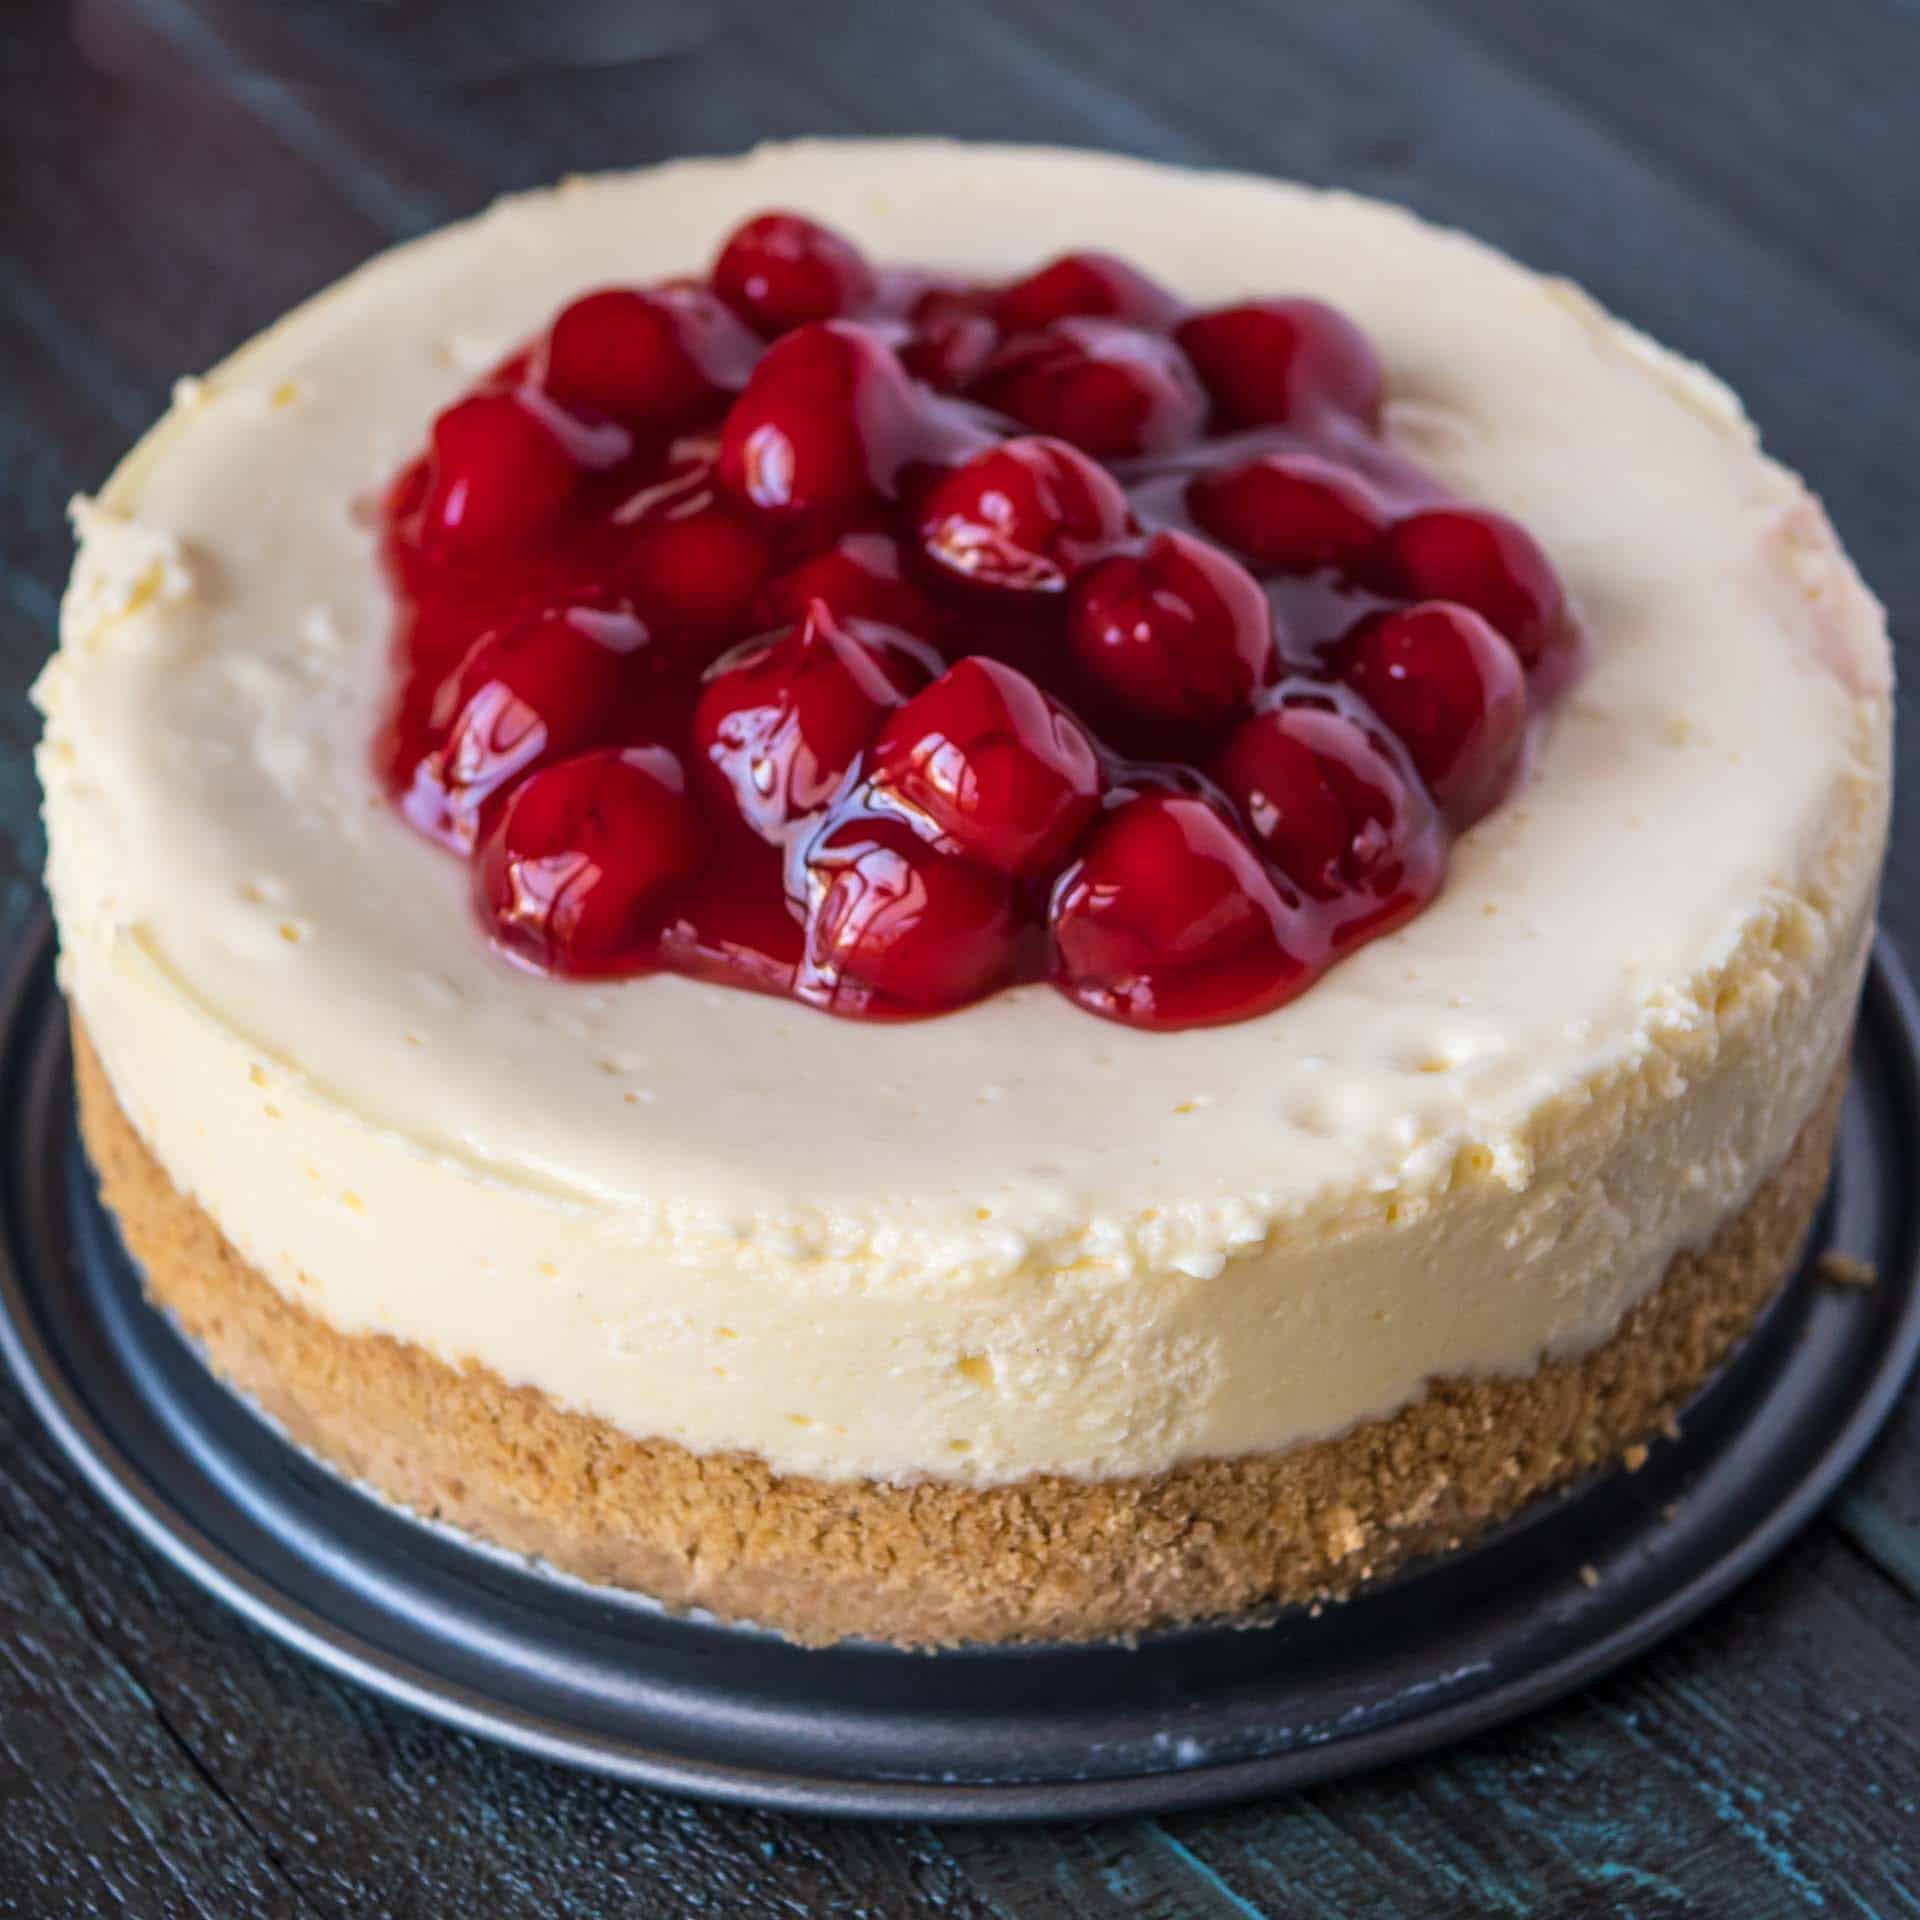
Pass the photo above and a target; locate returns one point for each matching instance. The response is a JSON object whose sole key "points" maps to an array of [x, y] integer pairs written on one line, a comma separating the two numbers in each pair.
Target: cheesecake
{"points": [[957, 893]]}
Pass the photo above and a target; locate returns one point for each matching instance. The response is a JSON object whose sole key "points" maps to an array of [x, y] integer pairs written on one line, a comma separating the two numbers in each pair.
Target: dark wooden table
{"points": [[1741, 179]]}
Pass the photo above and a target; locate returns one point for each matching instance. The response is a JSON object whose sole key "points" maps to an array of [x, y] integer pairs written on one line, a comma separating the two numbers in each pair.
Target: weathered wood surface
{"points": [[1743, 180]]}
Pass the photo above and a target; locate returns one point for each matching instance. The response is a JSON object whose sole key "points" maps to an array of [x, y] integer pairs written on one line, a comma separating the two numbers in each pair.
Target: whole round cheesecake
{"points": [[1080, 896]]}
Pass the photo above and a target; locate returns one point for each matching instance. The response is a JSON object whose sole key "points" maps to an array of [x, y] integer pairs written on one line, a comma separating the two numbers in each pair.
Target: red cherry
{"points": [[1283, 362], [781, 270], [1022, 517], [1478, 559], [440, 627], [501, 470], [894, 926], [1289, 512], [582, 855], [1109, 389], [984, 764], [1336, 803], [953, 337], [691, 558], [1179, 630], [654, 359], [824, 426], [1453, 691], [780, 724], [732, 921], [408, 492], [1169, 919], [1092, 284], [862, 575], [545, 685]]}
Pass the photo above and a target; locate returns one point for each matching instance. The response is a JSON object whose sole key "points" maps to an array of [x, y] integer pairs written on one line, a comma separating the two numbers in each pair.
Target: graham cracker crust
{"points": [[936, 1563]]}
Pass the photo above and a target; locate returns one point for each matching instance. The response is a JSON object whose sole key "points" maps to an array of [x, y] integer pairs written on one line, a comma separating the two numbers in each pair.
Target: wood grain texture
{"points": [[1741, 179]]}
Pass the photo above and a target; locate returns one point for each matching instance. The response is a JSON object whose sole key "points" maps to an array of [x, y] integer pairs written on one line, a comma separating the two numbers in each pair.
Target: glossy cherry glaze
{"points": [[884, 639]]}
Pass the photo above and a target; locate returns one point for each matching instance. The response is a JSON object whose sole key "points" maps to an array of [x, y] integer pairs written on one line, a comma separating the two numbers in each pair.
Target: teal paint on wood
{"points": [[1210, 1878], [1891, 1543]]}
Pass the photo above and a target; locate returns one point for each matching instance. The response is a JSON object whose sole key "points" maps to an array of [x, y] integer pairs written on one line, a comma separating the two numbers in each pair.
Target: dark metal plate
{"points": [[1186, 1719]]}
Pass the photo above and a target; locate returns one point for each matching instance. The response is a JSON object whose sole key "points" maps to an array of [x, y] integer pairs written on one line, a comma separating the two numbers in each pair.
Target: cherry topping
{"points": [[1169, 919], [1023, 517], [582, 854], [1482, 560], [824, 425], [501, 470], [1094, 285], [953, 336], [1111, 390], [697, 564], [986, 765], [1336, 803], [782, 270], [1289, 512], [1283, 362], [739, 527], [546, 684], [863, 574], [895, 926], [780, 724], [732, 921], [654, 359], [1452, 690], [1179, 630]]}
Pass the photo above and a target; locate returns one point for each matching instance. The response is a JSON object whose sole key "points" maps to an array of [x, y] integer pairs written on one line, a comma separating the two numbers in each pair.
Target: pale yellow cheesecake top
{"points": [[1012, 1238]]}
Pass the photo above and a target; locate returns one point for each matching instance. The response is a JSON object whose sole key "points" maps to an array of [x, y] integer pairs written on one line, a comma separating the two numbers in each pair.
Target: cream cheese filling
{"points": [[1015, 1239]]}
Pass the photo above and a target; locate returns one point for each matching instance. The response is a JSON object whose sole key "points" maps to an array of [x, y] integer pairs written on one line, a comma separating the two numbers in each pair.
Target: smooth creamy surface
{"points": [[1015, 1238]]}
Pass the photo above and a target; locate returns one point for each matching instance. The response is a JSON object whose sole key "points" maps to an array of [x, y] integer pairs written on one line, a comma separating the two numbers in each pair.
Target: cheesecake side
{"points": [[928, 1563]]}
